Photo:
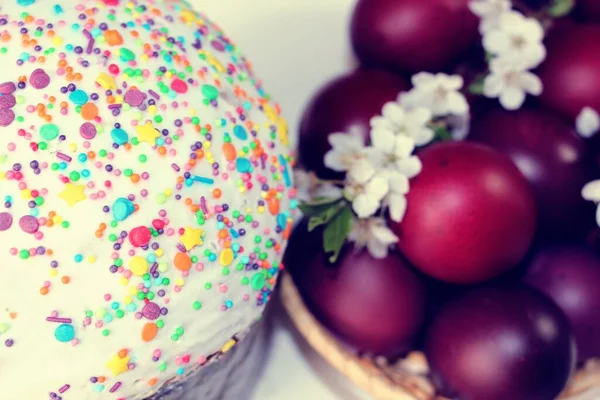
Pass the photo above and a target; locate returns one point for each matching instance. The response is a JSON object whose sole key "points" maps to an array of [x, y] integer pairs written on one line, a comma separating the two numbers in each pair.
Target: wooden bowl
{"points": [[406, 379]]}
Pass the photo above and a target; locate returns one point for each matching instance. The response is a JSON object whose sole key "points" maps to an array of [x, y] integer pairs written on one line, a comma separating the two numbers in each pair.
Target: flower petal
{"points": [[377, 249], [598, 215], [410, 166], [588, 122], [398, 182], [335, 160], [364, 206], [492, 85], [496, 42], [591, 191], [383, 140], [382, 233], [422, 78], [377, 187], [531, 83], [512, 98], [397, 206], [402, 146], [457, 103], [361, 172], [393, 111]]}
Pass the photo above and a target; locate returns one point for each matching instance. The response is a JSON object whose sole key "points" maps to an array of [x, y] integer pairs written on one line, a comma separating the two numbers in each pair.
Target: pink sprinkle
{"points": [[115, 387], [63, 156], [63, 389]]}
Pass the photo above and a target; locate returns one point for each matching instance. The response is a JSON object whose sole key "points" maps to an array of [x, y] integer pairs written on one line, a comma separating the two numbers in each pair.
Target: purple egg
{"points": [[345, 104], [499, 344], [571, 72], [570, 275], [553, 158], [376, 305], [411, 36]]}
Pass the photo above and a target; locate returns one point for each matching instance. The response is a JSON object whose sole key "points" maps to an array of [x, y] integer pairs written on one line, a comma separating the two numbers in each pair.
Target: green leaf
{"points": [[476, 87], [336, 233], [441, 133], [318, 206], [560, 8], [324, 217], [317, 201]]}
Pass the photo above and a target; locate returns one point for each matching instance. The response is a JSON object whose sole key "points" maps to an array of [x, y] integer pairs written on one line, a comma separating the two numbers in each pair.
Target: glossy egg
{"points": [[471, 214], [499, 344]]}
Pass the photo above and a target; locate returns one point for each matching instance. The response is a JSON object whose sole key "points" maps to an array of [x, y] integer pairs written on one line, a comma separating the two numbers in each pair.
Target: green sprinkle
{"points": [[197, 305]]}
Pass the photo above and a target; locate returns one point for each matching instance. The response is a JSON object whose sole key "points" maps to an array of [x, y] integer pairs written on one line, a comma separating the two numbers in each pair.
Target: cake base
{"points": [[232, 377]]}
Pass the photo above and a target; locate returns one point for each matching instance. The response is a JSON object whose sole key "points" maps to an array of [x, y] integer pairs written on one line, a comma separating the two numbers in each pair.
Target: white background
{"points": [[295, 46]]}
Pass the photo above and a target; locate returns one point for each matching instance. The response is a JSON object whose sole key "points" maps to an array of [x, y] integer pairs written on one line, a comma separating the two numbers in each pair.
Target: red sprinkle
{"points": [[158, 224], [179, 86], [140, 236]]}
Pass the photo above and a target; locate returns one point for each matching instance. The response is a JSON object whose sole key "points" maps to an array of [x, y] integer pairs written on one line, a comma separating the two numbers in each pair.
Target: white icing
{"points": [[37, 363]]}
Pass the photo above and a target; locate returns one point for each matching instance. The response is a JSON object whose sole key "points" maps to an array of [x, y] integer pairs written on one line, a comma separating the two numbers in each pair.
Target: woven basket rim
{"points": [[405, 380]]}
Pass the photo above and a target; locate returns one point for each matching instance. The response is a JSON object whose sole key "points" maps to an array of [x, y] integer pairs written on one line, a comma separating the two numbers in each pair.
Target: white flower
{"points": [[412, 123], [366, 188], [517, 39], [489, 11], [396, 198], [438, 93], [373, 234], [588, 122], [345, 151], [394, 153], [309, 187], [510, 84], [591, 192]]}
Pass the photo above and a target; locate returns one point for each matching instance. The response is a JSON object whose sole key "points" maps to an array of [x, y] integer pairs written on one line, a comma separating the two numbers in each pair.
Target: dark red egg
{"points": [[501, 343], [471, 214], [554, 159], [570, 275], [571, 72], [412, 35], [589, 10], [345, 104], [375, 305]]}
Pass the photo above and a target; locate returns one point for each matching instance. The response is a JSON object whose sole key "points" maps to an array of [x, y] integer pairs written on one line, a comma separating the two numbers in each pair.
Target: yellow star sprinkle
{"points": [[147, 133], [118, 364], [192, 238], [106, 81], [73, 194]]}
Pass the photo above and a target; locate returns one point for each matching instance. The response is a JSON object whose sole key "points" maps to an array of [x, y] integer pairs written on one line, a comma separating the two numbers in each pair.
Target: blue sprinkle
{"points": [[286, 172], [58, 9], [78, 97], [119, 136], [25, 2], [243, 164], [234, 233], [240, 132], [122, 208], [202, 179], [64, 333], [282, 220]]}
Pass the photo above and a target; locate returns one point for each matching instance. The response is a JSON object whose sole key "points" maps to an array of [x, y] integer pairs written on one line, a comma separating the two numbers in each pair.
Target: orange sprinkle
{"points": [[65, 280], [182, 262], [101, 379], [188, 201], [123, 353], [135, 178], [149, 332], [89, 111], [274, 206], [152, 381], [222, 234], [113, 37], [216, 193], [44, 291], [229, 151]]}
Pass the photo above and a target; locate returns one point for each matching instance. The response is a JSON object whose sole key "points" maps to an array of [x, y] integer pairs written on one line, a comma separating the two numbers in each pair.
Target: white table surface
{"points": [[295, 46]]}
